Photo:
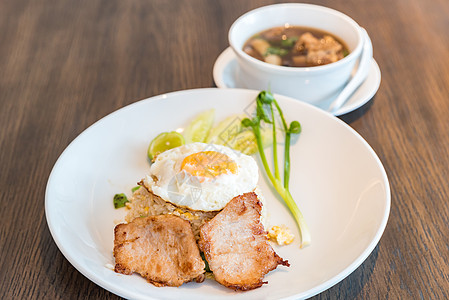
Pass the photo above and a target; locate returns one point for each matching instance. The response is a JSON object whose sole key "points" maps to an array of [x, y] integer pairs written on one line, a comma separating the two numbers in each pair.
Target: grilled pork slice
{"points": [[236, 246], [162, 249]]}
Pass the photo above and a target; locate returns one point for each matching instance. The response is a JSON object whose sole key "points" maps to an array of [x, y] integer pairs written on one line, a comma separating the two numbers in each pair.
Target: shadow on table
{"points": [[359, 112]]}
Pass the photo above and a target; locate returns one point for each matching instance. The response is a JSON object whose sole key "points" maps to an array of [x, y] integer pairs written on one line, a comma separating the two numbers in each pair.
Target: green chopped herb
{"points": [[289, 42], [206, 268], [135, 188], [120, 200], [345, 52], [276, 51]]}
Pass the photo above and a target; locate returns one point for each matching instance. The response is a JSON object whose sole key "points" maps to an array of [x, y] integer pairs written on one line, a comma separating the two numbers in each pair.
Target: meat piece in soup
{"points": [[295, 46]]}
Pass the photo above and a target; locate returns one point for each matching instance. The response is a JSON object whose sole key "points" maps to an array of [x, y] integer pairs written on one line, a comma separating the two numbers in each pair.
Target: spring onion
{"points": [[266, 105]]}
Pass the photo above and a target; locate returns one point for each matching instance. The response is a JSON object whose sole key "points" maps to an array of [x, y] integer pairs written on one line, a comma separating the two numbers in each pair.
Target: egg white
{"points": [[168, 181]]}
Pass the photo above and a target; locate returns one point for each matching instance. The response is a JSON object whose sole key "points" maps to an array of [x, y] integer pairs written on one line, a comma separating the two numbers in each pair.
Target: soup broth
{"points": [[296, 46]]}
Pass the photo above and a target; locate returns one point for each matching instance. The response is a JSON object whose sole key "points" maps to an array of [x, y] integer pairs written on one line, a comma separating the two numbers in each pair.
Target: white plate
{"points": [[226, 68], [337, 180]]}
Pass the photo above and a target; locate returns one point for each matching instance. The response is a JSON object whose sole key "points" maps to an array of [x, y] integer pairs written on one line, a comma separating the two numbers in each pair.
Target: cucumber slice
{"points": [[198, 130], [226, 130], [246, 143]]}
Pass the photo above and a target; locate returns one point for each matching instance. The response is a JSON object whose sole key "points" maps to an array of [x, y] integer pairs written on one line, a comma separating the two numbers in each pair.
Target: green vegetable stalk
{"points": [[265, 109]]}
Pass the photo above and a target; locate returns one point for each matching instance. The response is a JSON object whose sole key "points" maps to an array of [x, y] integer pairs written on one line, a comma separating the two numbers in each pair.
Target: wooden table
{"points": [[66, 64]]}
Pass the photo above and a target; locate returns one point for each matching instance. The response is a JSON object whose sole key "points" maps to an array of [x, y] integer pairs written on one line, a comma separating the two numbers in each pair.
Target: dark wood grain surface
{"points": [[66, 64]]}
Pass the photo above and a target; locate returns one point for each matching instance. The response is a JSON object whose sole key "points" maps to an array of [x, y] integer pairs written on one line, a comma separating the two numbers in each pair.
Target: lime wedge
{"points": [[246, 143], [199, 128], [163, 142], [226, 130]]}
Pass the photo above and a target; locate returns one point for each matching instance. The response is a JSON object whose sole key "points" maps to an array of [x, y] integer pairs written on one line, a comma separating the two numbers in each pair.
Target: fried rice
{"points": [[144, 203]]}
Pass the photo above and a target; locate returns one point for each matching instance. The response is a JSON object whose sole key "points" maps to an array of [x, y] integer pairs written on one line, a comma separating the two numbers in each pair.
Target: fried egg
{"points": [[202, 176]]}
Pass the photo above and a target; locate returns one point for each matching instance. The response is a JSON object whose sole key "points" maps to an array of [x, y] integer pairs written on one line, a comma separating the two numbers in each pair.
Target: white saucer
{"points": [[225, 69]]}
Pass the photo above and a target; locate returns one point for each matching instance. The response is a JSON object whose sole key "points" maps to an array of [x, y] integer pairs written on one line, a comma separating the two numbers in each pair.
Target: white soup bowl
{"points": [[314, 85]]}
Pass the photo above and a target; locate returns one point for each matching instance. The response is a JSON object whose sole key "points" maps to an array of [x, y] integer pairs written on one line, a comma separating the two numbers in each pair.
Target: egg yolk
{"points": [[209, 164]]}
